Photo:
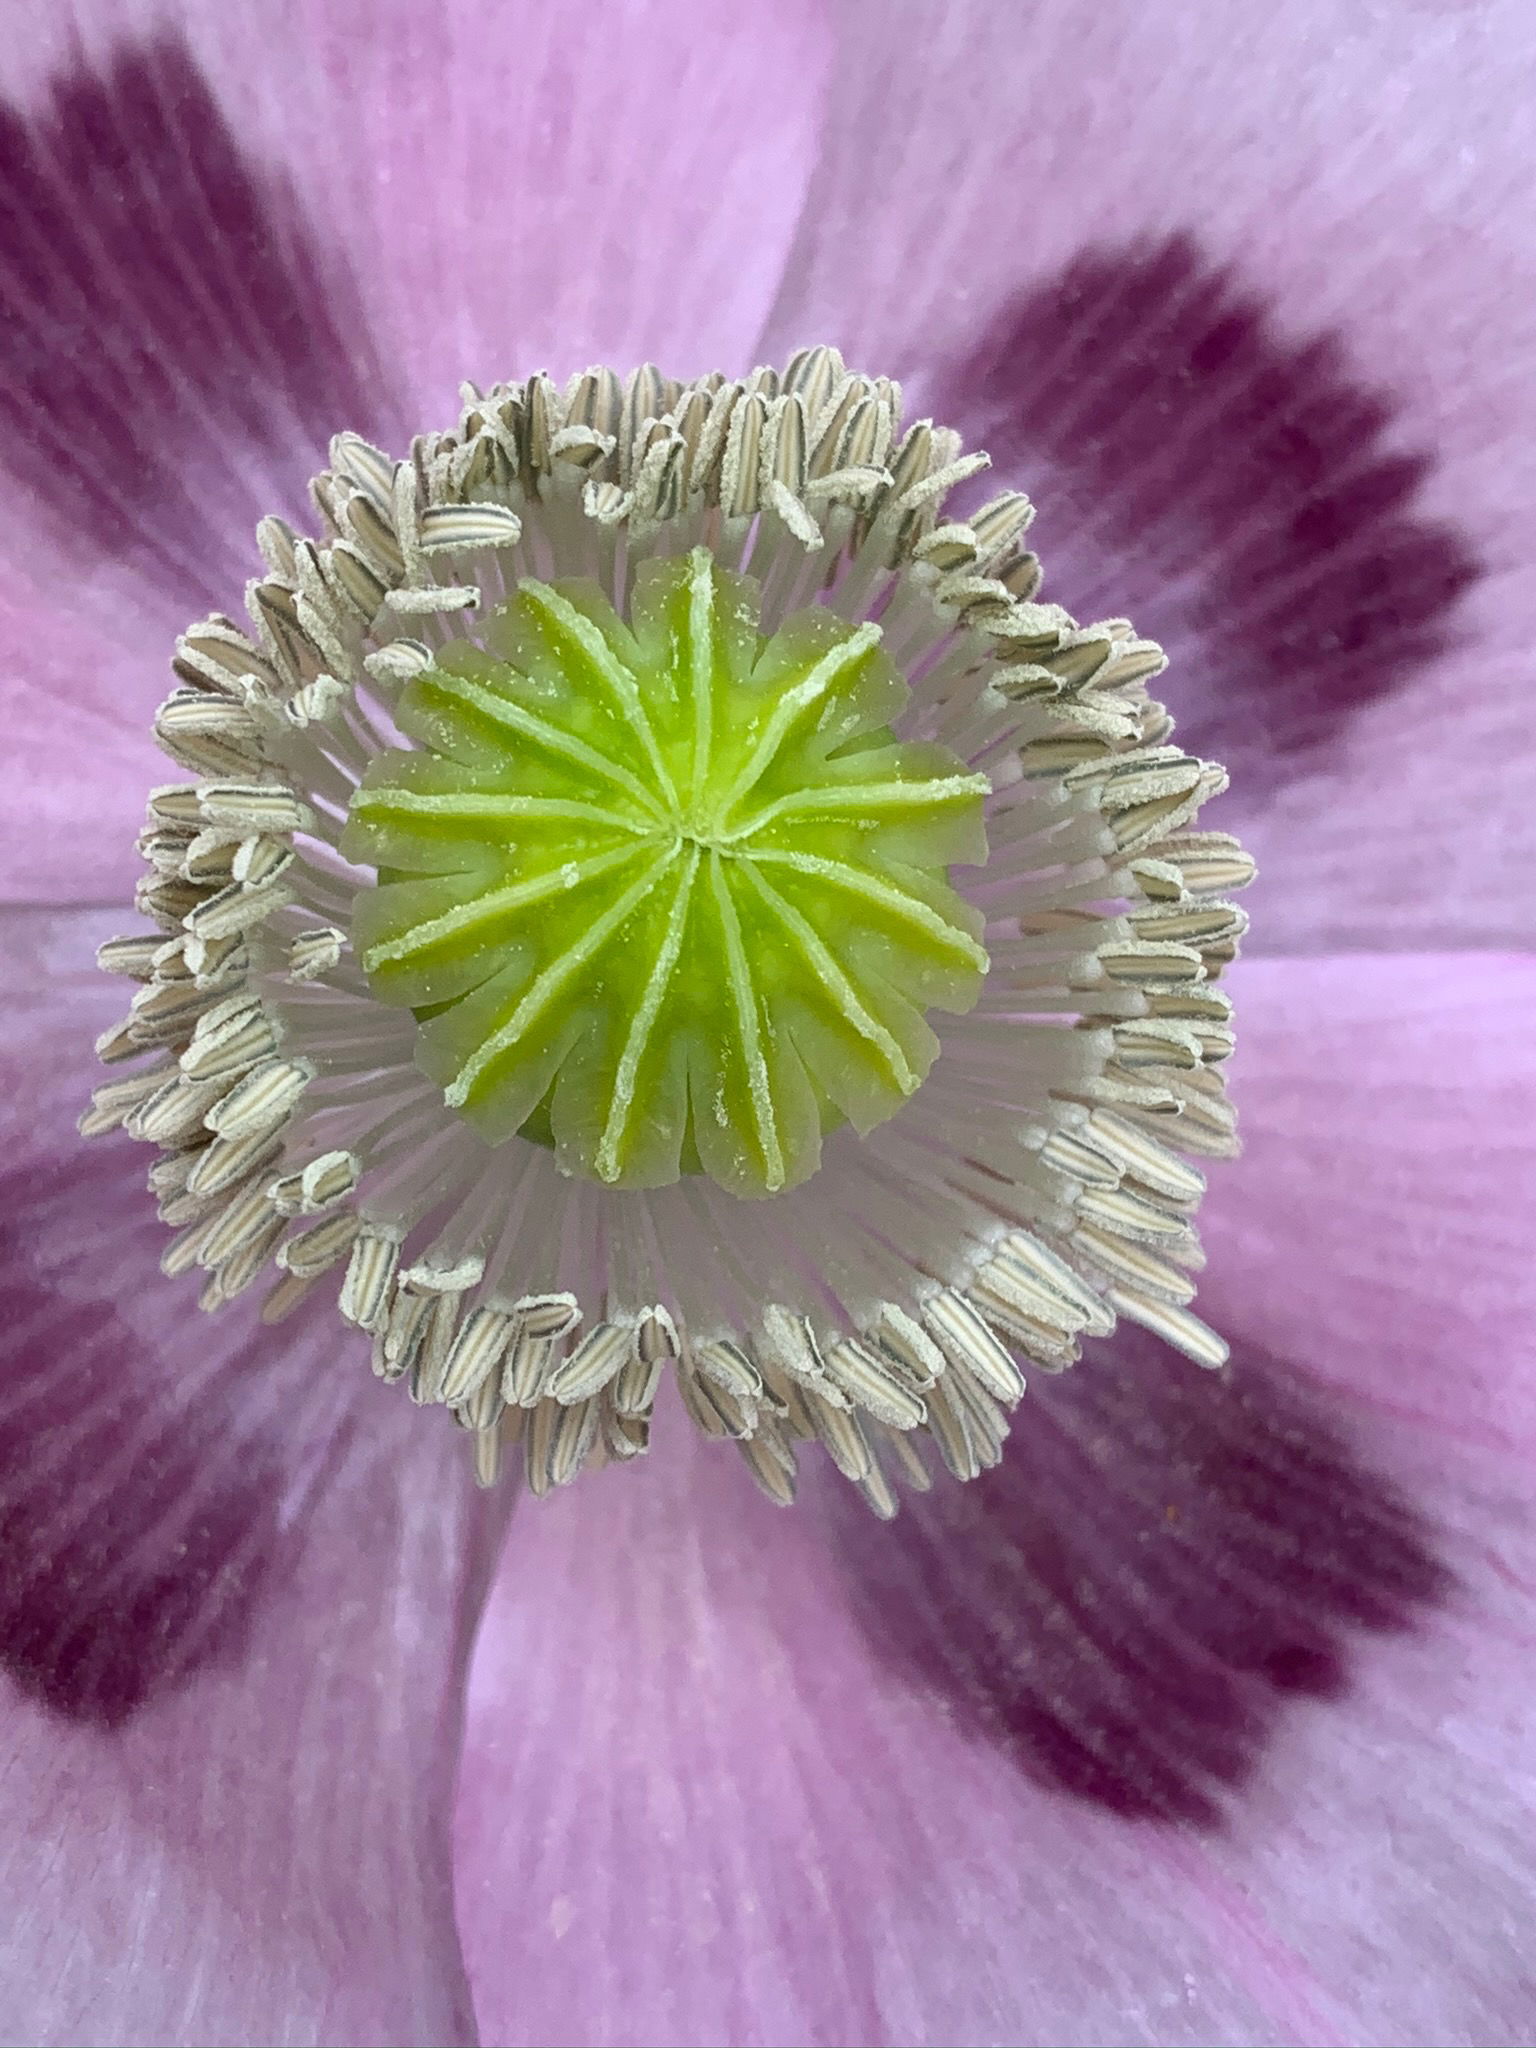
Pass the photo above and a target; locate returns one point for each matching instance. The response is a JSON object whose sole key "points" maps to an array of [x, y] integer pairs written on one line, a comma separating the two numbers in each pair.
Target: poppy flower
{"points": [[1199, 1713]]}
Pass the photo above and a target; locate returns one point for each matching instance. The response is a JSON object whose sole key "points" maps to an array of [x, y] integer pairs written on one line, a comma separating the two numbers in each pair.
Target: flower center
{"points": [[663, 873], [667, 894]]}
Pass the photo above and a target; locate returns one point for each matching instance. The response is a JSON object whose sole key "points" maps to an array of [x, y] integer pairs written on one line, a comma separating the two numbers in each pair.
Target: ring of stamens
{"points": [[1038, 1183]]}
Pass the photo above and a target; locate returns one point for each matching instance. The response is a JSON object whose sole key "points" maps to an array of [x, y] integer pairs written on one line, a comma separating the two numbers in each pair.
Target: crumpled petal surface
{"points": [[801, 1743], [235, 1599]]}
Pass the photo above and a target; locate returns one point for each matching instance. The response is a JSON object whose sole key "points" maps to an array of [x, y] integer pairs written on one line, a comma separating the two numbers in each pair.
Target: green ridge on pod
{"points": [[668, 894]]}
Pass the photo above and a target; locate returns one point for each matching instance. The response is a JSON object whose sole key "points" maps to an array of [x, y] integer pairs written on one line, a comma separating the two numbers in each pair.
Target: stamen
{"points": [[660, 903]]}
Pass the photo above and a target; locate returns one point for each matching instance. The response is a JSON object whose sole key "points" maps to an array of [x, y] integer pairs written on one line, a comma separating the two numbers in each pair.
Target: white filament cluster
{"points": [[1037, 1185]]}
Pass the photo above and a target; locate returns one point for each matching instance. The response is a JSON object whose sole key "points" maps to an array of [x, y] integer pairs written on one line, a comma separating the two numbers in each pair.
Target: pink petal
{"points": [[695, 1807], [1377, 1229], [1141, 1658], [235, 1589], [224, 238], [739, 1775], [173, 361], [513, 187], [77, 709], [1368, 184], [182, 338], [1243, 480], [700, 1802]]}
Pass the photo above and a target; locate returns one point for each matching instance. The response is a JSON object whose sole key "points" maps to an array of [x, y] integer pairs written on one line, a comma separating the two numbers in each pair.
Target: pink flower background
{"points": [[1207, 1716]]}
